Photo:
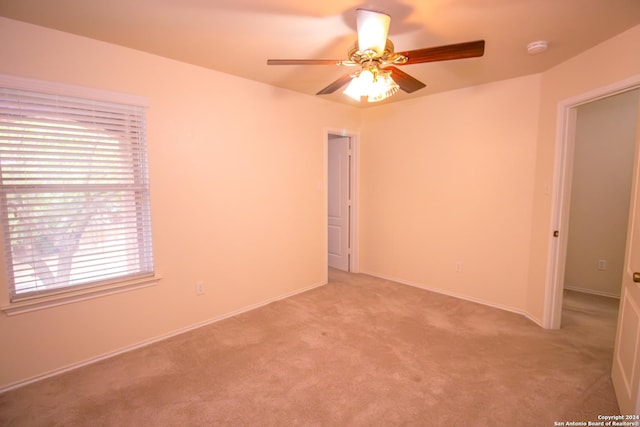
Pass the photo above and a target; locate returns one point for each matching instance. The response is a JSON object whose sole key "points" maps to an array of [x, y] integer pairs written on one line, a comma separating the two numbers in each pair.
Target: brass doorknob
{"points": [[636, 277]]}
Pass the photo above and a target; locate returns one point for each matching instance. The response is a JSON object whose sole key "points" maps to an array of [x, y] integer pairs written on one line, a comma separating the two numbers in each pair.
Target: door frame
{"points": [[562, 172], [354, 173]]}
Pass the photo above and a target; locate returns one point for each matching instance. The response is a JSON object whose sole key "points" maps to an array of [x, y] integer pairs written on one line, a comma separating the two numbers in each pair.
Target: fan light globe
{"points": [[382, 88], [373, 28], [352, 90], [360, 85]]}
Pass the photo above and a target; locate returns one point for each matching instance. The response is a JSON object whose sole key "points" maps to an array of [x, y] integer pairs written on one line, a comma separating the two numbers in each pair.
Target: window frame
{"points": [[63, 295]]}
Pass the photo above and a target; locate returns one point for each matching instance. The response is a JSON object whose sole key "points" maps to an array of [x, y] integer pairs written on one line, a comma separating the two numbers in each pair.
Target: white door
{"points": [[625, 372], [339, 203]]}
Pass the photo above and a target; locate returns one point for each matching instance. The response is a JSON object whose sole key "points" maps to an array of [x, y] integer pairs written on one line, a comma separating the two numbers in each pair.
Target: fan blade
{"points": [[404, 80], [335, 85], [444, 53], [305, 62]]}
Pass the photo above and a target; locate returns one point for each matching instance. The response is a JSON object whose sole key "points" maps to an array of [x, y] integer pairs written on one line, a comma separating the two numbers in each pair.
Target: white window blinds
{"points": [[74, 192]]}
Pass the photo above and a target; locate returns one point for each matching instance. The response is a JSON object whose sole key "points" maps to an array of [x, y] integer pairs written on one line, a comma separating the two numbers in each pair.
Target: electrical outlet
{"points": [[602, 264], [458, 266], [199, 288]]}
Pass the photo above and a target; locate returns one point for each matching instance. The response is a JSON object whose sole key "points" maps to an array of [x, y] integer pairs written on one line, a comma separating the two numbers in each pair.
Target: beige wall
{"points": [[238, 201], [449, 178], [608, 63], [600, 193]]}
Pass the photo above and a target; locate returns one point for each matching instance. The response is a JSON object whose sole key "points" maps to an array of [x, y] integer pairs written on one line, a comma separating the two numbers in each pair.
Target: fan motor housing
{"points": [[387, 57]]}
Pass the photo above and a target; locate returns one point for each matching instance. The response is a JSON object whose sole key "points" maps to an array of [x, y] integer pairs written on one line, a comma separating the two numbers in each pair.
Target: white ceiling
{"points": [[238, 36]]}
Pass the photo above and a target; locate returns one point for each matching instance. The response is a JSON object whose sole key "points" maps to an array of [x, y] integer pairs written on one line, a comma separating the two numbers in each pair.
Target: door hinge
{"points": [[556, 233]]}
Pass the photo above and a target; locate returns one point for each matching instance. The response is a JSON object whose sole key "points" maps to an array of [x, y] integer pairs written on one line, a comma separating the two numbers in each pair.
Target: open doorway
{"points": [[595, 175], [342, 201], [602, 174]]}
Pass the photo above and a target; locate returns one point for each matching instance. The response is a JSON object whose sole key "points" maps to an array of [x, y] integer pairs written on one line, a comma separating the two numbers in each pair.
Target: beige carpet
{"points": [[360, 351]]}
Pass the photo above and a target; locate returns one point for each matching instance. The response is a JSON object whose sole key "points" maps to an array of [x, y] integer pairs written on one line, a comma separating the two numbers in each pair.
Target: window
{"points": [[74, 192]]}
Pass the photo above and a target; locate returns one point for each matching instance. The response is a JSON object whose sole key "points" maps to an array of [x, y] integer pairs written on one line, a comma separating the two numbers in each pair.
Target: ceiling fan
{"points": [[378, 77]]}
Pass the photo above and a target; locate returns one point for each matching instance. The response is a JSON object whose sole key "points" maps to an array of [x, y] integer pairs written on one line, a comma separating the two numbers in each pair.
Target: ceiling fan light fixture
{"points": [[373, 28], [375, 85], [376, 58]]}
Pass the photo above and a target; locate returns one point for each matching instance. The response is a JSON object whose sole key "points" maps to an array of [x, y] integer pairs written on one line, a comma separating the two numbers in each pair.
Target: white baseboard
{"points": [[459, 296], [592, 292], [150, 341]]}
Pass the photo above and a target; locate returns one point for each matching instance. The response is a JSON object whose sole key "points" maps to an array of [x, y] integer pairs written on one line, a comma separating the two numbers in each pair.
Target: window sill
{"points": [[40, 303]]}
